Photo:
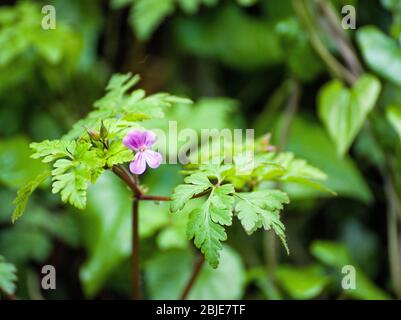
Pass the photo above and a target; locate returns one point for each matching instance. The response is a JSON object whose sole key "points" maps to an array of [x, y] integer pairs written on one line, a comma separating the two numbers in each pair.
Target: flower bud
{"points": [[94, 135], [103, 131]]}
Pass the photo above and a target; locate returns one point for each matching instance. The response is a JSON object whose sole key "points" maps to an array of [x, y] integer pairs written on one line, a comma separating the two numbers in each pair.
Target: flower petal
{"points": [[149, 138], [133, 140], [153, 158], [137, 139], [138, 166]]}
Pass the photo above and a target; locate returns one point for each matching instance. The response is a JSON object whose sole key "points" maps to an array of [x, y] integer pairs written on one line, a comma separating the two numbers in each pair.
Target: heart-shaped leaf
{"points": [[343, 111]]}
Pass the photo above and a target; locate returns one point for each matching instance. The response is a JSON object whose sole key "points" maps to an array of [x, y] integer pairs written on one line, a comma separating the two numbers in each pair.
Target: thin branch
{"points": [[136, 276], [133, 183], [194, 276], [154, 198], [335, 67], [289, 113], [340, 37], [129, 180]]}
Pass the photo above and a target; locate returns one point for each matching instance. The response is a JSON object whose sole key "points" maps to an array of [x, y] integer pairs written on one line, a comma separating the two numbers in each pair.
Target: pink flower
{"points": [[141, 141]]}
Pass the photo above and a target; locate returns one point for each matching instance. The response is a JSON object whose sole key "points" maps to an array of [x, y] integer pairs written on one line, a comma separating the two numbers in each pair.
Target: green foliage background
{"points": [[244, 63]]}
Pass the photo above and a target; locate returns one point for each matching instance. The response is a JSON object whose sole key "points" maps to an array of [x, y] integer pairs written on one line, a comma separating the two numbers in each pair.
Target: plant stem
{"points": [[129, 180], [154, 198], [289, 113], [270, 247], [340, 37], [195, 273], [136, 276], [133, 183], [335, 67]]}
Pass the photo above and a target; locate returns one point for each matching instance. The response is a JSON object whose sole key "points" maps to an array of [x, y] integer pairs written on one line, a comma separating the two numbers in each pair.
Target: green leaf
{"points": [[232, 37], [72, 187], [301, 283], [194, 184], [173, 234], [168, 282], [121, 109], [146, 15], [285, 167], [205, 224], [52, 150], [117, 153], [260, 278], [380, 52], [25, 192], [8, 276], [262, 209], [71, 176], [225, 282], [301, 59], [207, 234], [309, 141], [27, 42], [344, 111], [75, 165], [393, 115], [330, 253], [192, 6], [17, 168]]}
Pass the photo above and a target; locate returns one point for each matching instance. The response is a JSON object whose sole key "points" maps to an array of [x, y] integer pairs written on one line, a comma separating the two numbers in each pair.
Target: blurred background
{"points": [[246, 64]]}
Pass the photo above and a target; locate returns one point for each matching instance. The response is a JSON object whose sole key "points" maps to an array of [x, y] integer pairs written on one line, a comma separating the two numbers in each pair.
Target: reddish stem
{"points": [[136, 276], [129, 180], [194, 276], [154, 198]]}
